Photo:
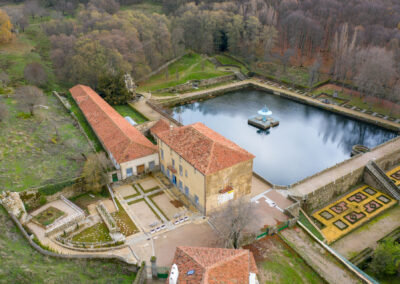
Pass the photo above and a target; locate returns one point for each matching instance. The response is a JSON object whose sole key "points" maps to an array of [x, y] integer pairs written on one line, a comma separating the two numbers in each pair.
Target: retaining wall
{"points": [[324, 195], [66, 256], [201, 83]]}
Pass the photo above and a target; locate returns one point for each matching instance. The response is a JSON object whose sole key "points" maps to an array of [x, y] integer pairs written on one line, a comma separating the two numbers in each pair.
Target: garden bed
{"points": [[124, 222], [94, 234], [48, 216]]}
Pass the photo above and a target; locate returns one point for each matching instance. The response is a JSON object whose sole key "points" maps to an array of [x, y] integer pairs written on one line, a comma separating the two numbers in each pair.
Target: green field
{"points": [[293, 74], [192, 66], [226, 60], [277, 263], [128, 110], [303, 220], [359, 102], [43, 149], [22, 264], [146, 6]]}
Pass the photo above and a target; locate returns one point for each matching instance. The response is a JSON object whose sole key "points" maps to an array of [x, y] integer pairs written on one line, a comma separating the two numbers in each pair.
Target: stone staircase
{"points": [[380, 176]]}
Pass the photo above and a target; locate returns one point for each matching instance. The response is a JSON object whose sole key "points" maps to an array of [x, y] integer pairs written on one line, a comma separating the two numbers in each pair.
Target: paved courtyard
{"points": [[145, 215], [201, 235], [269, 205], [165, 204]]}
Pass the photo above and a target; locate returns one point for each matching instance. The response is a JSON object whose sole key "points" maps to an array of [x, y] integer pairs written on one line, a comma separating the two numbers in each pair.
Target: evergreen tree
{"points": [[113, 89]]}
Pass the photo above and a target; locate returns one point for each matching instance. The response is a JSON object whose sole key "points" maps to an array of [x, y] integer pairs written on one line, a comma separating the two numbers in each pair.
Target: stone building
{"points": [[208, 168], [129, 150]]}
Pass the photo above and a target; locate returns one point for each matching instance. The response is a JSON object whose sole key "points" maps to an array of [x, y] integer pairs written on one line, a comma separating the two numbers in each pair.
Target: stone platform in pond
{"points": [[263, 124]]}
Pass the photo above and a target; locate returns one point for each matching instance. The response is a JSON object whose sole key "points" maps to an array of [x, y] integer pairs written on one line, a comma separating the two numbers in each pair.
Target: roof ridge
{"points": [[112, 120]]}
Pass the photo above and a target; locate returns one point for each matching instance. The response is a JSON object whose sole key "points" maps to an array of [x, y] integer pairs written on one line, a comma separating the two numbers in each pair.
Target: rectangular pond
{"points": [[307, 140]]}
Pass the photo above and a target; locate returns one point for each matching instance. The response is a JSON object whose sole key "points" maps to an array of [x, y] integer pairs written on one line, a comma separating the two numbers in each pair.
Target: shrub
{"points": [[24, 115], [54, 188], [42, 200]]}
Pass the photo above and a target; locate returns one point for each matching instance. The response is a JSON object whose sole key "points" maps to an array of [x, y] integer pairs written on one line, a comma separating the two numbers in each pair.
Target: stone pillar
{"points": [[154, 271]]}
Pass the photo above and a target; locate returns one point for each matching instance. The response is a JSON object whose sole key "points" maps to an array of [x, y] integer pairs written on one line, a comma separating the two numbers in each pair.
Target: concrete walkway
{"points": [[145, 194], [149, 202], [145, 109], [328, 176]]}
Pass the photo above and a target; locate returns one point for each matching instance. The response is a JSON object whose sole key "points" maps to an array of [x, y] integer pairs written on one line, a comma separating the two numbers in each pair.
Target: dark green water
{"points": [[307, 140]]}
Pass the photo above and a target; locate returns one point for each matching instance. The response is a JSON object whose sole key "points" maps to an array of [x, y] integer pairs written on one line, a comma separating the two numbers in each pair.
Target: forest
{"points": [[354, 42]]}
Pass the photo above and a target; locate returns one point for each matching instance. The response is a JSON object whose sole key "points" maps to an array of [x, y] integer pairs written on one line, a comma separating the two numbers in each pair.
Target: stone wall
{"points": [[69, 256], [200, 83], [328, 193], [239, 177], [144, 128]]}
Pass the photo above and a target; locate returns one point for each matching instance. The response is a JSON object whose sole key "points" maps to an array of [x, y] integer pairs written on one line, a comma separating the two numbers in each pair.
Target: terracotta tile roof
{"points": [[160, 126], [214, 265], [203, 148], [118, 136]]}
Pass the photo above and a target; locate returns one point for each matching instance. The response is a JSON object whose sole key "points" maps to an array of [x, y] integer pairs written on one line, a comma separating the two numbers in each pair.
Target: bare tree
{"points": [[286, 57], [4, 78], [375, 71], [28, 98], [95, 171], [35, 74], [232, 221], [32, 9], [3, 112], [314, 71]]}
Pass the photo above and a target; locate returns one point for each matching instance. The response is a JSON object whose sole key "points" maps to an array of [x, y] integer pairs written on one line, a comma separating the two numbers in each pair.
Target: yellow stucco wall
{"points": [[190, 177], [239, 177]]}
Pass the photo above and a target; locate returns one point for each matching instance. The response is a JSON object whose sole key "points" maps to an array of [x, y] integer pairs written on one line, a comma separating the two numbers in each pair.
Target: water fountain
{"points": [[263, 120]]}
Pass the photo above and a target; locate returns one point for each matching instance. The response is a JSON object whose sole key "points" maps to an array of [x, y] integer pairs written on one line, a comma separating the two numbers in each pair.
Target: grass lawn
{"points": [[96, 233], [298, 75], [31, 153], [128, 110], [124, 222], [48, 216], [84, 200], [310, 226], [359, 102], [192, 66], [147, 7], [85, 125], [277, 263], [225, 60], [26, 265]]}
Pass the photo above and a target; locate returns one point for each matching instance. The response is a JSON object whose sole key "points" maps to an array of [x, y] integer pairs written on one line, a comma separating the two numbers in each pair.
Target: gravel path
{"points": [[368, 234], [318, 258]]}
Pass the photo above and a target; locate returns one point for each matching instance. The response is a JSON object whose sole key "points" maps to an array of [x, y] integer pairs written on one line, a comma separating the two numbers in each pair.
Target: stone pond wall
{"points": [[328, 193]]}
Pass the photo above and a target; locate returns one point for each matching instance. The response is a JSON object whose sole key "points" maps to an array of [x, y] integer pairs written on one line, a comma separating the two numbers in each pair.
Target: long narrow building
{"points": [[129, 150]]}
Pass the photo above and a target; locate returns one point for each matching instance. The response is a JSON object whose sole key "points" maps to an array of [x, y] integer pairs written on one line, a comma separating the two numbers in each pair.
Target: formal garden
{"points": [[48, 216]]}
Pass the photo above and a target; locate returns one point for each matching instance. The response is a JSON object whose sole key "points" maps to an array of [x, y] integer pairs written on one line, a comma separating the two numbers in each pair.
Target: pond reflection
{"points": [[307, 140]]}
